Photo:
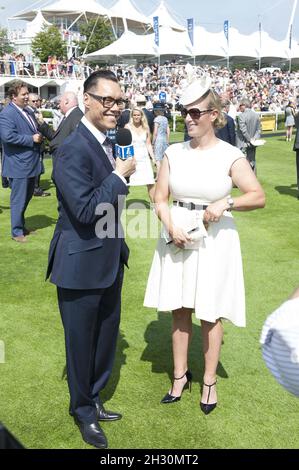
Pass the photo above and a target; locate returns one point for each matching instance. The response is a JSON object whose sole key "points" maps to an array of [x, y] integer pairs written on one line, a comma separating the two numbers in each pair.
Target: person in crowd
{"points": [[21, 155], [289, 120], [280, 343], [160, 136], [248, 130], [124, 115], [296, 149], [141, 103], [72, 115], [32, 109], [4, 180], [86, 262], [143, 151], [197, 265], [227, 132]]}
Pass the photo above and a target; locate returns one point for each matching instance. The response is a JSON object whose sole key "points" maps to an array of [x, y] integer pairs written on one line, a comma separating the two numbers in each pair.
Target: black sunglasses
{"points": [[194, 112], [107, 101]]}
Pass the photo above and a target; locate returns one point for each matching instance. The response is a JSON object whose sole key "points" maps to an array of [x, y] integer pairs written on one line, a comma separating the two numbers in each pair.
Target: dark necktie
{"points": [[109, 151], [30, 119]]}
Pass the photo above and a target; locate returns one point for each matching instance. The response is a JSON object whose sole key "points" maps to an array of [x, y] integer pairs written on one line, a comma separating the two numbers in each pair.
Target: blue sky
{"points": [[244, 15]]}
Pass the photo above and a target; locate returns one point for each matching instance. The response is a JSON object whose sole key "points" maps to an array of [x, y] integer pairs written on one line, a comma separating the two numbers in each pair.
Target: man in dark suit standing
{"points": [[32, 110], [87, 263], [21, 154], [68, 105], [228, 132]]}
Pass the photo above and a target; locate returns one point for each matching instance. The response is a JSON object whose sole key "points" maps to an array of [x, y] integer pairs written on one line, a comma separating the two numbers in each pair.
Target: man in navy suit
{"points": [[85, 262], [21, 155], [228, 132]]}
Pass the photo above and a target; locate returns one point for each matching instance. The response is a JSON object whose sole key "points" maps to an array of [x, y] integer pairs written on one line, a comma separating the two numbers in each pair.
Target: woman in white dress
{"points": [[143, 151], [200, 269]]}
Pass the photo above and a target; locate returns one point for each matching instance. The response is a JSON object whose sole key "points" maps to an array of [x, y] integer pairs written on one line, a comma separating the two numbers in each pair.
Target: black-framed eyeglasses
{"points": [[194, 112], [107, 101]]}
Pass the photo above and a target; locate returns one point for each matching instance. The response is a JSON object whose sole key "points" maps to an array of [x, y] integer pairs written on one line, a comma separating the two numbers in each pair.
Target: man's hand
{"points": [[125, 167], [37, 138]]}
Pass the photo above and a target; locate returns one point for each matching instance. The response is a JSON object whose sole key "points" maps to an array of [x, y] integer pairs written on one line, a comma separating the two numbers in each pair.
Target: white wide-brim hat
{"points": [[280, 345], [195, 90]]}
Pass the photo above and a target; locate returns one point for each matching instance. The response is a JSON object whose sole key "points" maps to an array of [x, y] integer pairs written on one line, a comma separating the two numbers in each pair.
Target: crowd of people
{"points": [[197, 264], [266, 90], [17, 65]]}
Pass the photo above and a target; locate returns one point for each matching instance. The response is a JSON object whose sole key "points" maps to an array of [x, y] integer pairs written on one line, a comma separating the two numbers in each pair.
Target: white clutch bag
{"points": [[191, 222]]}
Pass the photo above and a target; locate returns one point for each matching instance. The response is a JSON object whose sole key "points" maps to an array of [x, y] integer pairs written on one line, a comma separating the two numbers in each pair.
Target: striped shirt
{"points": [[280, 345]]}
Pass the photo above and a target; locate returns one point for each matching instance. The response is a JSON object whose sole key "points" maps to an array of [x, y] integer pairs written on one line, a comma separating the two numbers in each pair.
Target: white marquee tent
{"points": [[35, 26], [65, 8], [207, 45], [166, 18], [130, 44]]}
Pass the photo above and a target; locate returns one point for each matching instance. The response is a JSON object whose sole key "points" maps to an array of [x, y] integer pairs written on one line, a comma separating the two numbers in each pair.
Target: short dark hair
{"points": [[15, 88], [92, 80]]}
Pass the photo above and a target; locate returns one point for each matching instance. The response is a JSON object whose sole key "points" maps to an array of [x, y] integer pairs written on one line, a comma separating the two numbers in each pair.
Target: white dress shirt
{"points": [[101, 137]]}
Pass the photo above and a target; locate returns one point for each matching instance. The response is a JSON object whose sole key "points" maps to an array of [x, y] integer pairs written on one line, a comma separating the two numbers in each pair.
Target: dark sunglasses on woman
{"points": [[194, 112]]}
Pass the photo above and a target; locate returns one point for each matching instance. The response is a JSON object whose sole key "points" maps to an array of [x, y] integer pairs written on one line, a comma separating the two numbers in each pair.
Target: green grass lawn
{"points": [[254, 411]]}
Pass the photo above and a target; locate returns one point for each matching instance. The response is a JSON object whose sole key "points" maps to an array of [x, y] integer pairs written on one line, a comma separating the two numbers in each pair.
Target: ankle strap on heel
{"points": [[179, 378], [210, 389]]}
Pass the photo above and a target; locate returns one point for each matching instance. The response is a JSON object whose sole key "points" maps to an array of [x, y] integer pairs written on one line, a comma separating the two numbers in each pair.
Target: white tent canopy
{"points": [[67, 9], [36, 26], [126, 9], [131, 44], [207, 44], [127, 45], [165, 17], [173, 42]]}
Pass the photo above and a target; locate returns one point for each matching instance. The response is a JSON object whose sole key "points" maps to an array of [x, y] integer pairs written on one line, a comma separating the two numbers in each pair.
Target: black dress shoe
{"points": [[92, 434], [105, 415]]}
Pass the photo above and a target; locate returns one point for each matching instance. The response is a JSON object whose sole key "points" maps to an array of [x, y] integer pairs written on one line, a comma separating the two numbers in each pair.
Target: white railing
{"points": [[22, 69]]}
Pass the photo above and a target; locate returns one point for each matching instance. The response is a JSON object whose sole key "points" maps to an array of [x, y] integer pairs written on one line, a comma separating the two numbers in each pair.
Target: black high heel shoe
{"points": [[208, 407], [170, 398]]}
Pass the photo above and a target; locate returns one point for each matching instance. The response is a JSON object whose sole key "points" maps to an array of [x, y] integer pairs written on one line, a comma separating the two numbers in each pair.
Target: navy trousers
{"points": [[91, 322], [21, 193]]}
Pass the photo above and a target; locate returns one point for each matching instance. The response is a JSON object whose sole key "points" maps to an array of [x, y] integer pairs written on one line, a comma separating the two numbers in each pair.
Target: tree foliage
{"points": [[5, 47], [98, 35], [48, 42]]}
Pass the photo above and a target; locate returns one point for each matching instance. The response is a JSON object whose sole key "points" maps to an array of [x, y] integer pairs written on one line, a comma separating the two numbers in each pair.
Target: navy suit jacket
{"points": [[78, 259], [228, 132], [21, 156]]}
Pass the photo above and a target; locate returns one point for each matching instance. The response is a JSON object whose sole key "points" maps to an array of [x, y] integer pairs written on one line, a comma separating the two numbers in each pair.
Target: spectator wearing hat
{"points": [[197, 266]]}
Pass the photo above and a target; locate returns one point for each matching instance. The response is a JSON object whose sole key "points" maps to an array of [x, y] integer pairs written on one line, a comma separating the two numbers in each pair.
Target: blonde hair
{"points": [[144, 123], [216, 103]]}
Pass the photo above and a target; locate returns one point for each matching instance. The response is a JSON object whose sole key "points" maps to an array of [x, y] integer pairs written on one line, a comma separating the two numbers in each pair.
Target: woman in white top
{"points": [[200, 269], [143, 151]]}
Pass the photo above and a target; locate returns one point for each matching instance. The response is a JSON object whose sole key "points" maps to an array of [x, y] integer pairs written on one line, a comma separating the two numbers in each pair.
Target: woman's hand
{"points": [[214, 211], [179, 237]]}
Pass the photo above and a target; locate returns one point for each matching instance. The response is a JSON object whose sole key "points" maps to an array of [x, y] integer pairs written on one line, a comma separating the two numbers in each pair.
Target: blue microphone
{"points": [[123, 147]]}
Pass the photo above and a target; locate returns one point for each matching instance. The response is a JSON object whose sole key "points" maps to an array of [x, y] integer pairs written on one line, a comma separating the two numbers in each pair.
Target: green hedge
{"points": [[179, 124], [47, 114]]}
